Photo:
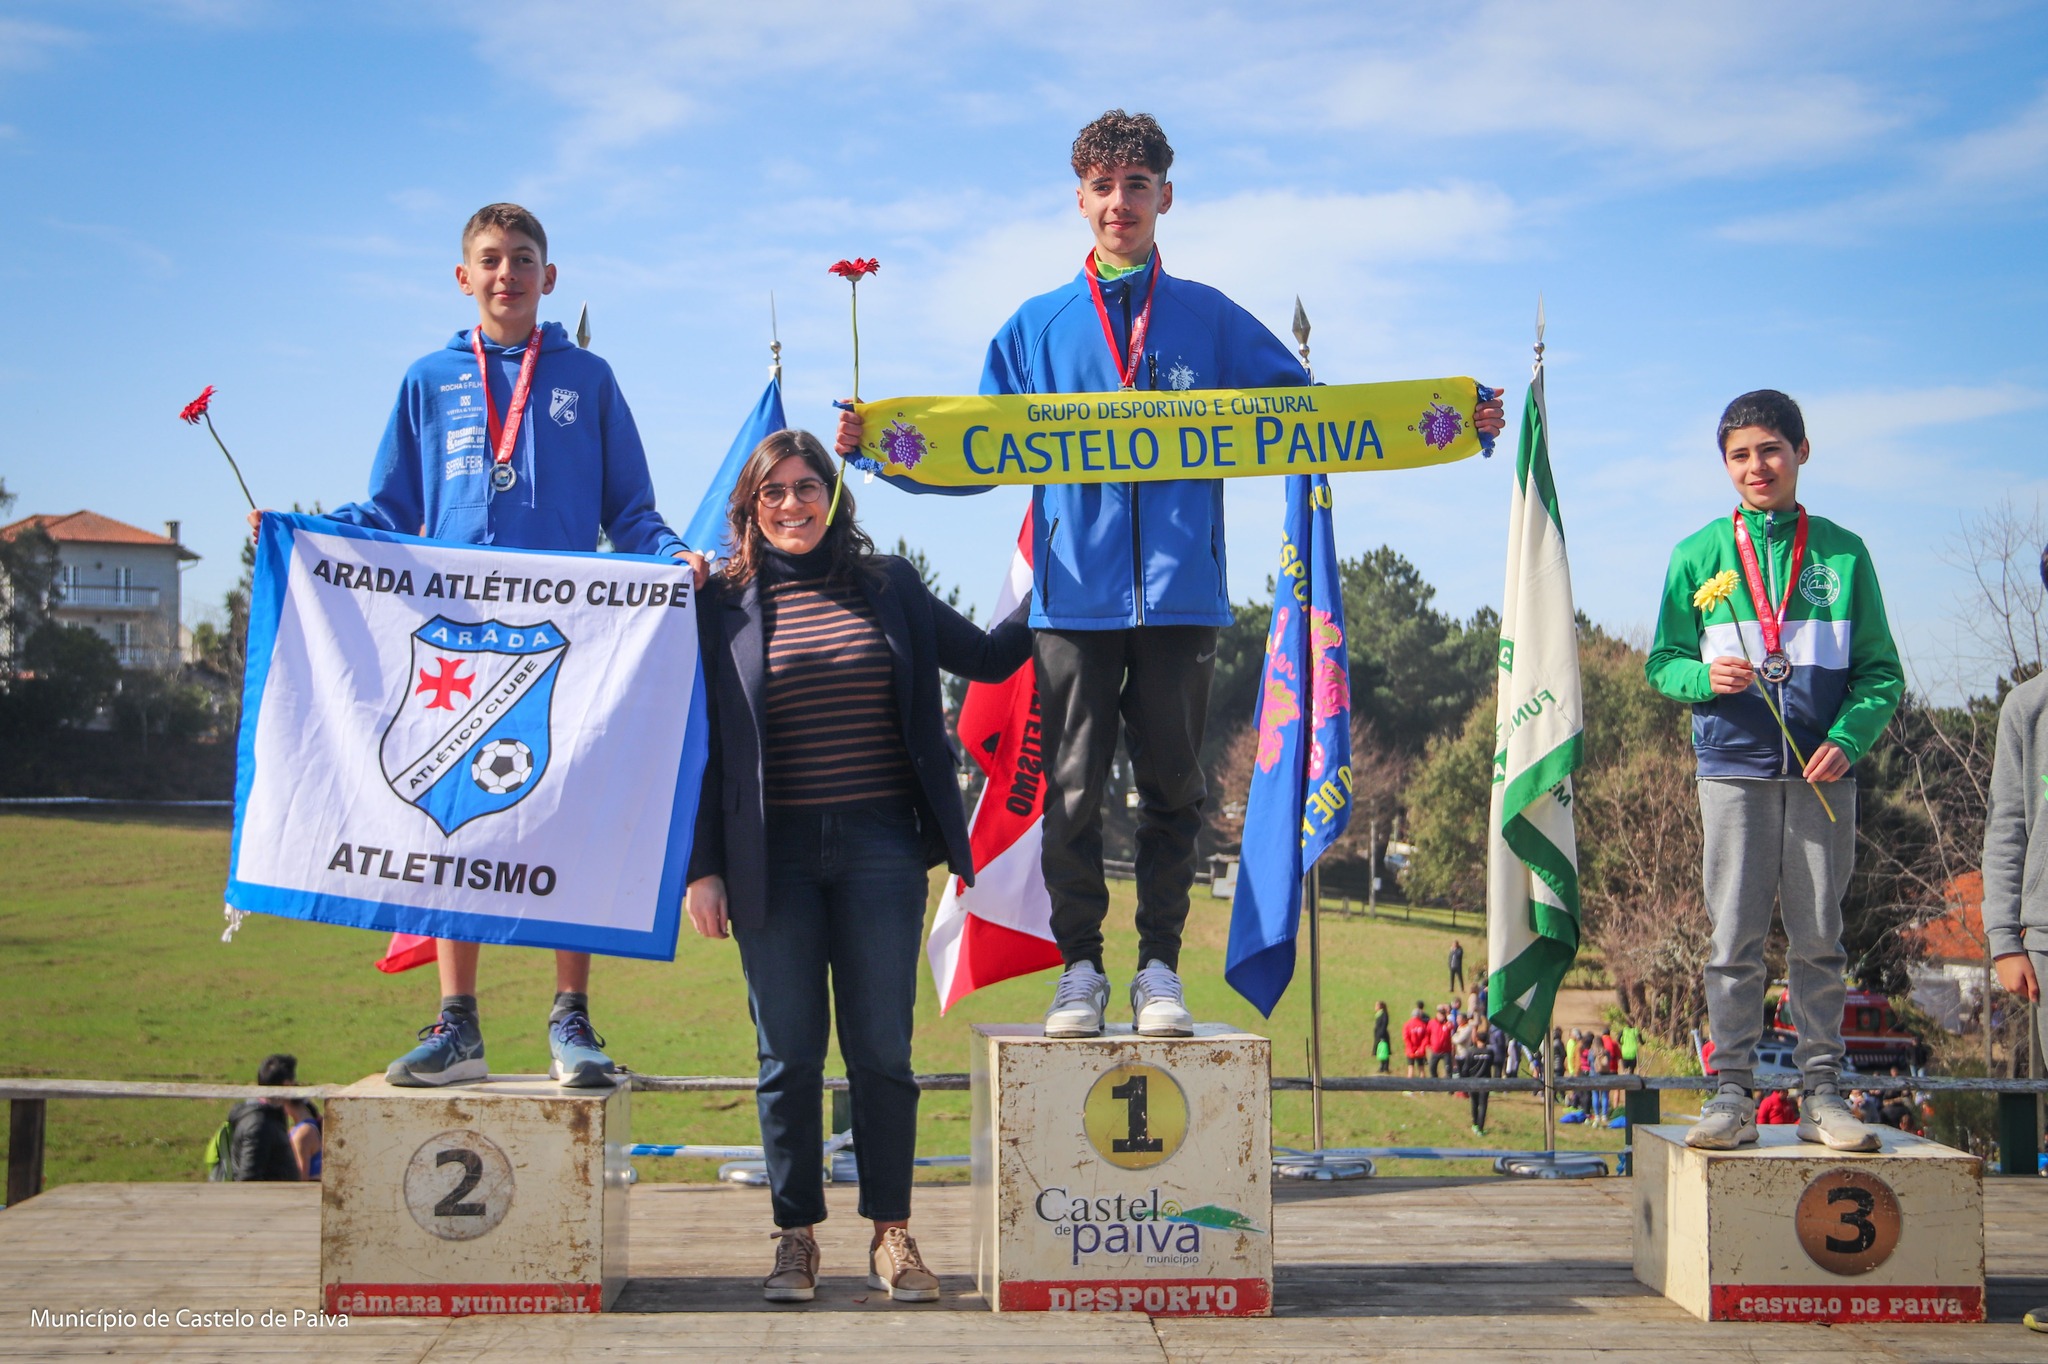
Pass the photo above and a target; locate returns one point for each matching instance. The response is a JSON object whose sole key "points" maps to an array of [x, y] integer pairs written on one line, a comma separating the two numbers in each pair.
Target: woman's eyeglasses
{"points": [[806, 490]]}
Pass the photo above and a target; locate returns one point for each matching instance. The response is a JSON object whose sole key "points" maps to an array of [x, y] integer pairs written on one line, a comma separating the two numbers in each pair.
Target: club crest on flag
{"points": [[470, 734]]}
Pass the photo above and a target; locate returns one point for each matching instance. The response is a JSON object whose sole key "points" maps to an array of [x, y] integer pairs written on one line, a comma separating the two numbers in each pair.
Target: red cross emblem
{"points": [[444, 685]]}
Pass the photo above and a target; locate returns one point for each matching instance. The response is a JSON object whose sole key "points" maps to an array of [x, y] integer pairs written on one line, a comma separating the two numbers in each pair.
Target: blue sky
{"points": [[1844, 201]]}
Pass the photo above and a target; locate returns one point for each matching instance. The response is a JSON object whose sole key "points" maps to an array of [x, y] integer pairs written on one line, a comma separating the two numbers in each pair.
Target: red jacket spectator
{"points": [[1777, 1107], [1415, 1036], [1439, 1036]]}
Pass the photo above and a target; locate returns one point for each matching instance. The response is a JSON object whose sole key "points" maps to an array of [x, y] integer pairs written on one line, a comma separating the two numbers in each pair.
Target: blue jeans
{"points": [[846, 897]]}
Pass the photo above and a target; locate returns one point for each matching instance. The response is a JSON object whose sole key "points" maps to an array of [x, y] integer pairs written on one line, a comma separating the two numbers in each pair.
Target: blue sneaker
{"points": [[578, 1055], [451, 1050]]}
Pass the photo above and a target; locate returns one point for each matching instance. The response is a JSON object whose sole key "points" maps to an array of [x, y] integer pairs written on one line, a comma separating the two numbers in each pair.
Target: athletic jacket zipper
{"points": [[1131, 489], [1771, 578]]}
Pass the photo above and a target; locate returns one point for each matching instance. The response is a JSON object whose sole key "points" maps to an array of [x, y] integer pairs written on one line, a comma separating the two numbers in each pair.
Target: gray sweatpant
{"points": [[1769, 840]]}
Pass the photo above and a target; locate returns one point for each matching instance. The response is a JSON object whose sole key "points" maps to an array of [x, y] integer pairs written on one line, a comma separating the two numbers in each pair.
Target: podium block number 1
{"points": [[1135, 1116]]}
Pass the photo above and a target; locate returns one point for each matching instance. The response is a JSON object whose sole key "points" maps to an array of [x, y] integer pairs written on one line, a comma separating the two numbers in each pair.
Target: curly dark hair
{"points": [[1121, 139], [851, 551]]}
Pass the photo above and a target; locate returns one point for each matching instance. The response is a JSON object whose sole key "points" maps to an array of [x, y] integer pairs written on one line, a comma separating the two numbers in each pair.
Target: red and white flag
{"points": [[1002, 925]]}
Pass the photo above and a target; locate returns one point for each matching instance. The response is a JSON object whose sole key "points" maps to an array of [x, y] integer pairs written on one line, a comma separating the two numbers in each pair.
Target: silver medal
{"points": [[503, 476]]}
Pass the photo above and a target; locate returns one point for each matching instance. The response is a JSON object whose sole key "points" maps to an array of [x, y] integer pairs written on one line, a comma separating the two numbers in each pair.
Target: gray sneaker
{"points": [[451, 1051], [1078, 1003], [1825, 1117], [1727, 1121]]}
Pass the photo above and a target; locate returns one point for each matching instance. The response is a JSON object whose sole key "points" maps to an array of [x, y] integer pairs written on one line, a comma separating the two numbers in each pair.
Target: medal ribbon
{"points": [[1770, 620], [505, 434], [1126, 372]]}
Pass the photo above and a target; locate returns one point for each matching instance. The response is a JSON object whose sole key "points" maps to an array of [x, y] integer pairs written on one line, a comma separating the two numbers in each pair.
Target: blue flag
{"points": [[707, 532], [1300, 796]]}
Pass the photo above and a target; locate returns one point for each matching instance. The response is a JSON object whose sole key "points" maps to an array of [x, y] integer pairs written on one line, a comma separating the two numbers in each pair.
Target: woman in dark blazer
{"points": [[829, 792]]}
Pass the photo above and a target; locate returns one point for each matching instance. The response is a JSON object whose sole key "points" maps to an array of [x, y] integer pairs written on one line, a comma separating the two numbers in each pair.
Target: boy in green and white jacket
{"points": [[1801, 615]]}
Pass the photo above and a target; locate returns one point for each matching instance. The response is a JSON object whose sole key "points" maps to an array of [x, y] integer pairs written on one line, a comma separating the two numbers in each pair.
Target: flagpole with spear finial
{"points": [[774, 341], [1312, 886], [1549, 1080], [583, 327]]}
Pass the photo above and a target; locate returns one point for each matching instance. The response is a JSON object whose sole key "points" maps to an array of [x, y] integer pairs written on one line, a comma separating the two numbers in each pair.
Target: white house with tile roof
{"points": [[120, 581]]}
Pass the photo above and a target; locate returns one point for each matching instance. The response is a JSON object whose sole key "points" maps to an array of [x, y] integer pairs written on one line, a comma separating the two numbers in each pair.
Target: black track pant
{"points": [[1151, 684]]}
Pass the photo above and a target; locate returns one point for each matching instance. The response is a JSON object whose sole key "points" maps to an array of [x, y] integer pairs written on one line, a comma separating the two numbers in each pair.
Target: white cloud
{"points": [[1668, 91], [1990, 166], [1694, 90], [121, 240], [26, 44], [1885, 418]]}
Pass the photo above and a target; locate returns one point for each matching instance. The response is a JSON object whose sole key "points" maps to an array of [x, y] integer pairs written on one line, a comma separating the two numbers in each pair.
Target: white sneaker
{"points": [[1078, 1003], [1156, 1006], [1826, 1118]]}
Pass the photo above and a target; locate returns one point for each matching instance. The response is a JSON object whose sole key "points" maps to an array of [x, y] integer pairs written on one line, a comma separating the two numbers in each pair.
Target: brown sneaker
{"points": [[795, 1276], [896, 1266]]}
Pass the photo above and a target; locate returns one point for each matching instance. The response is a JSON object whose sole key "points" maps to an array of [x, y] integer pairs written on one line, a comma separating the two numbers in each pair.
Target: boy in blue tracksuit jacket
{"points": [[576, 465], [1129, 584]]}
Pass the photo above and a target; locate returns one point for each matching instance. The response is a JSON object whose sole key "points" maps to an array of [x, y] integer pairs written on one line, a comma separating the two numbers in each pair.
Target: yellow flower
{"points": [[1715, 590]]}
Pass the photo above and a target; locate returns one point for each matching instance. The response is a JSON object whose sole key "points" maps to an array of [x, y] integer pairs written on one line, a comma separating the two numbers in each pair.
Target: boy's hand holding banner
{"points": [[485, 744], [1157, 434]]}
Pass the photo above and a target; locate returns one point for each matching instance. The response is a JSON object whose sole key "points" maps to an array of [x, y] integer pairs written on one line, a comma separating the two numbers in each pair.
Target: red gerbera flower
{"points": [[852, 270], [196, 409]]}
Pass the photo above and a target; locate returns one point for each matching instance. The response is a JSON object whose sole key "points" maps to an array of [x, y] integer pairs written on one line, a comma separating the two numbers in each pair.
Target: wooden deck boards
{"points": [[1399, 1269]]}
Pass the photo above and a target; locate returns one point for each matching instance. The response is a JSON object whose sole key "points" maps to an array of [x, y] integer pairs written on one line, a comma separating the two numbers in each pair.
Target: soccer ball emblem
{"points": [[501, 766]]}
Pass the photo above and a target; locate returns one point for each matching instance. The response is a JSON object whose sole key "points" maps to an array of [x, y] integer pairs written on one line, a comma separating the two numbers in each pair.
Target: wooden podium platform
{"points": [[505, 1196], [1123, 1173], [1790, 1231]]}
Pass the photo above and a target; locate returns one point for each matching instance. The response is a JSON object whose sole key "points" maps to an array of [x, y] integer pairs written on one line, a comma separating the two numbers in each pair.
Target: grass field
{"points": [[110, 930]]}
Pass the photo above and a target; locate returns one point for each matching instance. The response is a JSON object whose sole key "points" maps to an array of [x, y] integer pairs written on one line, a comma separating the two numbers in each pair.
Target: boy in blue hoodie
{"points": [[1129, 584], [511, 435]]}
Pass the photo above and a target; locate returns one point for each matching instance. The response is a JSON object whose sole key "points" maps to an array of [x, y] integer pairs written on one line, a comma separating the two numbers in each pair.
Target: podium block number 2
{"points": [[1135, 1116], [458, 1185]]}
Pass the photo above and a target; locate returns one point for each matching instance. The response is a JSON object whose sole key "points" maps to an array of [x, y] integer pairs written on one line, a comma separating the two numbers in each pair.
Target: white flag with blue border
{"points": [[487, 744]]}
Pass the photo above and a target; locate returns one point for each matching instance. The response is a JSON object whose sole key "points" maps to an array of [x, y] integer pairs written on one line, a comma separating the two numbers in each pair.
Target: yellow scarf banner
{"points": [[1155, 435]]}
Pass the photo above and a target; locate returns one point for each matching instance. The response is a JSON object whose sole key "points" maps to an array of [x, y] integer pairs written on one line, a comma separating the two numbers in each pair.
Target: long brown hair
{"points": [[849, 550]]}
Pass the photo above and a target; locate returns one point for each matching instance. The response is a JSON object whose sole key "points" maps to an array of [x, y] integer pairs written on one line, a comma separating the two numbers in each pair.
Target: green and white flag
{"points": [[1532, 854]]}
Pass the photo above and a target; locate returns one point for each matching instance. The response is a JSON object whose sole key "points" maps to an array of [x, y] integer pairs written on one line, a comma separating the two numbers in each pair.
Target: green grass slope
{"points": [[110, 929]]}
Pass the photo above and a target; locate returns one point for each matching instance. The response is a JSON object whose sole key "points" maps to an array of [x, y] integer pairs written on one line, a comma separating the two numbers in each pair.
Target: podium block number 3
{"points": [[1135, 1116], [1848, 1221], [458, 1185]]}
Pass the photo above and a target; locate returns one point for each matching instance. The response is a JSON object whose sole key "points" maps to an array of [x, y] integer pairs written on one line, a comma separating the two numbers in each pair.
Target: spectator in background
{"points": [[259, 1130], [1457, 965], [1415, 1037], [1631, 1047], [1382, 1040], [1612, 1046], [1603, 1099], [1440, 1030], [1778, 1107], [1865, 1105], [308, 1146]]}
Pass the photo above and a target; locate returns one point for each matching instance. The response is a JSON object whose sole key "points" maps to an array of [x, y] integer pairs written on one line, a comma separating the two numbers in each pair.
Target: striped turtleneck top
{"points": [[833, 735]]}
